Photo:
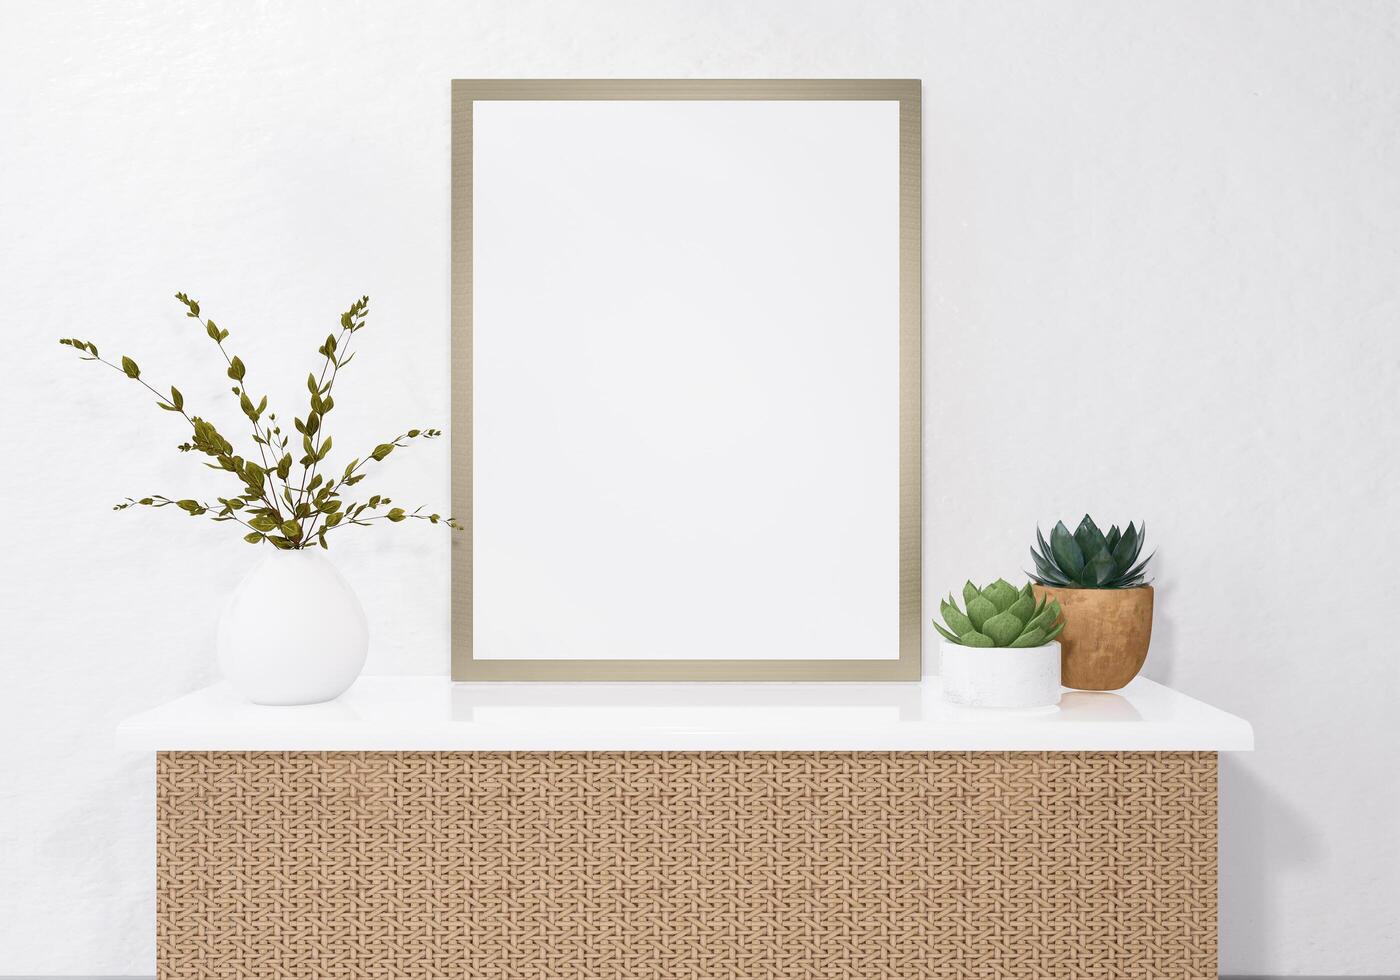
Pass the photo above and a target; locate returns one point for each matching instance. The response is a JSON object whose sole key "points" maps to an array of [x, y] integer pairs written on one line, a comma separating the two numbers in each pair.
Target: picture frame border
{"points": [[907, 92]]}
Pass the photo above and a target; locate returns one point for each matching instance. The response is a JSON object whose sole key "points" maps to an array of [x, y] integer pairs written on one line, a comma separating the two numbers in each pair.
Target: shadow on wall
{"points": [[1161, 652], [1262, 838]]}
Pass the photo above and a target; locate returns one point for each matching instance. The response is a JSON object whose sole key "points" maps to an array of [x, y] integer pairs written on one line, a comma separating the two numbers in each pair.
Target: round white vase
{"points": [[293, 632], [1001, 677]]}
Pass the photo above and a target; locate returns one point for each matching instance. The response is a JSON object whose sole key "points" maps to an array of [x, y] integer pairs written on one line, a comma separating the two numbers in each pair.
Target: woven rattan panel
{"points": [[800, 866]]}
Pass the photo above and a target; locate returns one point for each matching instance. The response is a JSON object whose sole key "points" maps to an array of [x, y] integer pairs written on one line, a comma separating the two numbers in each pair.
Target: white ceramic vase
{"points": [[293, 632], [1000, 677]]}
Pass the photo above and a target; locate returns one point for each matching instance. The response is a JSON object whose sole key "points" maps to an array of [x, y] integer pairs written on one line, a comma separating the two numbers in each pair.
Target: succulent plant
{"points": [[1090, 559], [1000, 615]]}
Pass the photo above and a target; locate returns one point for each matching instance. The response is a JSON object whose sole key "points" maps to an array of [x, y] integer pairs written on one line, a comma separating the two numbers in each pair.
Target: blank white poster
{"points": [[686, 380]]}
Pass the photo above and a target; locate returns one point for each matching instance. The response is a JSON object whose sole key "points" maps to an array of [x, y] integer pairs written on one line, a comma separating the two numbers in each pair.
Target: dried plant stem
{"points": [[333, 363], [268, 499], [299, 513], [261, 437]]}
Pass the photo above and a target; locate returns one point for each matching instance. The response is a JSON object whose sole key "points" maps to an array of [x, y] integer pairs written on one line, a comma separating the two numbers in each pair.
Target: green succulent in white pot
{"points": [[1000, 650], [293, 632]]}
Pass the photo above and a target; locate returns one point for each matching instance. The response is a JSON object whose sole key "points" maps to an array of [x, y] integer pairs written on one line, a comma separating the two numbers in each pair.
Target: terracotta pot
{"points": [[1104, 643]]}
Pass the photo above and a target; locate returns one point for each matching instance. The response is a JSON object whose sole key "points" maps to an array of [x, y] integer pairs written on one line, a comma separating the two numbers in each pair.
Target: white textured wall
{"points": [[1162, 246]]}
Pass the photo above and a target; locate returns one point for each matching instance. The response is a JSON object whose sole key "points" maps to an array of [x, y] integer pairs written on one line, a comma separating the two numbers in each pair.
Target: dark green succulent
{"points": [[1090, 559], [1000, 615]]}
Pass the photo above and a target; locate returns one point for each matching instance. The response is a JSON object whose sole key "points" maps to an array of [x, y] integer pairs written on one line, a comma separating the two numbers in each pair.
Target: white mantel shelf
{"points": [[433, 714]]}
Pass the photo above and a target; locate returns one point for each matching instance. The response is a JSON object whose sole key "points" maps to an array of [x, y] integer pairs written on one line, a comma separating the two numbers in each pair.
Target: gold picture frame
{"points": [[908, 664]]}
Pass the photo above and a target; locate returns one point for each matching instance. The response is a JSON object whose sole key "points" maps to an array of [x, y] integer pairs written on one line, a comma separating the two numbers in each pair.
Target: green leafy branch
{"points": [[263, 436], [286, 511], [327, 495], [195, 508]]}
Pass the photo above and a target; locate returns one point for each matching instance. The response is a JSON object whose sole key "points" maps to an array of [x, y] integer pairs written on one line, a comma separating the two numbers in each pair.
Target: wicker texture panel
{"points": [[761, 866]]}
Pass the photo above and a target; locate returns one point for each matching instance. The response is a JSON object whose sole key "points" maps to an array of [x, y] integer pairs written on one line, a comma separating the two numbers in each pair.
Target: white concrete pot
{"points": [[293, 632], [1001, 677]]}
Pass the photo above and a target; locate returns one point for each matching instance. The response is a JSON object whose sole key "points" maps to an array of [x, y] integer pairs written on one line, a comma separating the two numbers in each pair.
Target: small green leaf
{"points": [[951, 638], [1024, 607], [955, 618], [1045, 617], [1090, 539], [396, 514], [1128, 547], [236, 370], [970, 592], [1002, 593], [252, 537], [130, 369], [1133, 577], [1068, 554], [1100, 571], [1030, 638], [1002, 628], [1046, 572], [381, 450], [979, 610], [975, 639]]}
